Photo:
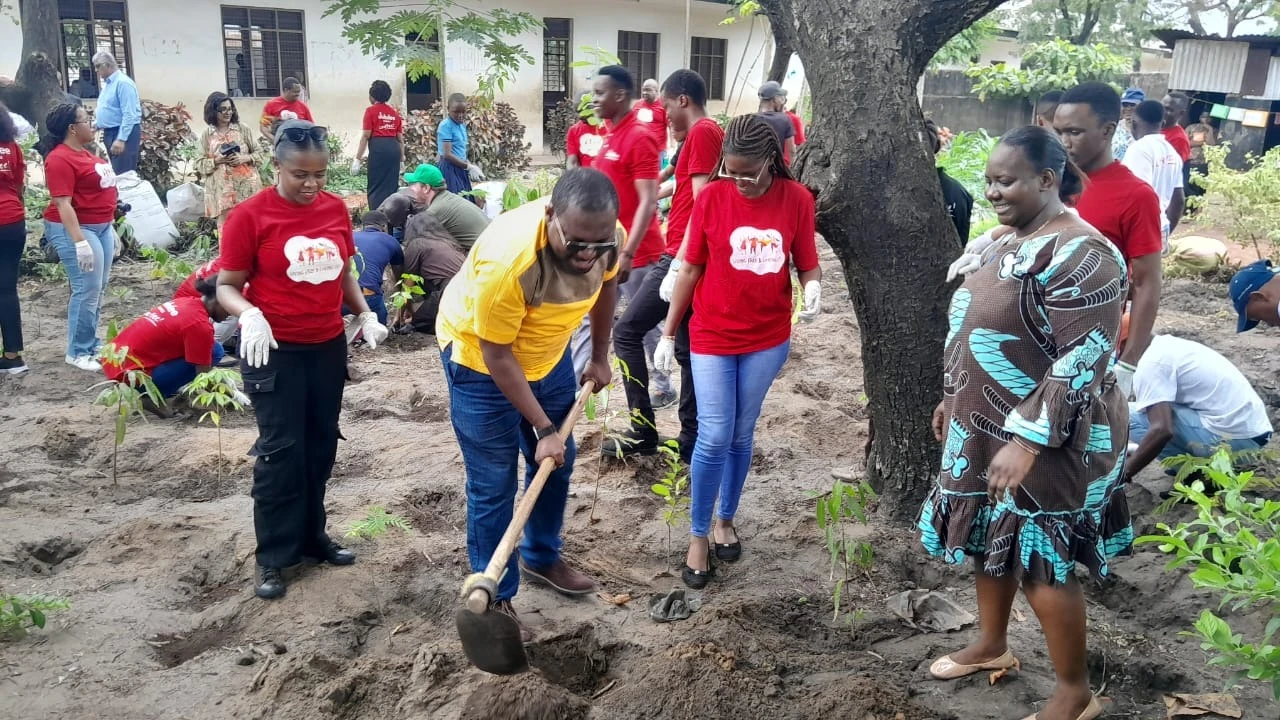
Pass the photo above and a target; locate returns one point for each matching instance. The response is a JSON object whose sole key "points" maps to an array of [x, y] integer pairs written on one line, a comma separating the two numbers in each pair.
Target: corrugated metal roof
{"points": [[1209, 66], [1171, 37]]}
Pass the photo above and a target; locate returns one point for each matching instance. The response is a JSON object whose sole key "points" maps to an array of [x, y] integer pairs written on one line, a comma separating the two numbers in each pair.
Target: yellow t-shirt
{"points": [[510, 291]]}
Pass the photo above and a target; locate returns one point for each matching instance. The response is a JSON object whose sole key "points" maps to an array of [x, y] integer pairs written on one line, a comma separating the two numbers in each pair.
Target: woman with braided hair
{"points": [[750, 225]]}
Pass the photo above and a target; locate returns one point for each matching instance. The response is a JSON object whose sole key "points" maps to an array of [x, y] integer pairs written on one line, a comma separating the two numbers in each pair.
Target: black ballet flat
{"points": [[696, 579], [728, 552]]}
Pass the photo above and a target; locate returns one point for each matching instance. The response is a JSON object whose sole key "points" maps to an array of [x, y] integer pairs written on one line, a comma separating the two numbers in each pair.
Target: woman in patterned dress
{"points": [[229, 168], [1034, 426]]}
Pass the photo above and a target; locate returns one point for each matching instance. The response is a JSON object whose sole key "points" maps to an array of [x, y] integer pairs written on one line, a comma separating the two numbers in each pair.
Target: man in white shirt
{"points": [[1188, 400], [1154, 160]]}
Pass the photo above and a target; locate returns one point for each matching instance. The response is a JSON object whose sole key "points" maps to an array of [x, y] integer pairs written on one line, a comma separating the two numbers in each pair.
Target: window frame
{"points": [[640, 73], [696, 58], [246, 39], [90, 23]]}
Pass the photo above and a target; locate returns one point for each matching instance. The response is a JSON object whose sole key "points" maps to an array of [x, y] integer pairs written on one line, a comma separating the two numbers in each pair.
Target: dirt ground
{"points": [[164, 623]]}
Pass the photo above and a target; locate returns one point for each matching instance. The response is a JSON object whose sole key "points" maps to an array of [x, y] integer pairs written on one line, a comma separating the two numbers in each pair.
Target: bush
{"points": [[563, 116], [165, 131], [965, 159], [1244, 202], [496, 136], [1051, 65]]}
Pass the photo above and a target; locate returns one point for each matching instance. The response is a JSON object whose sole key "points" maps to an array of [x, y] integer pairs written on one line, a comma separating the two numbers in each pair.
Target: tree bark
{"points": [[37, 88], [782, 48], [880, 208]]}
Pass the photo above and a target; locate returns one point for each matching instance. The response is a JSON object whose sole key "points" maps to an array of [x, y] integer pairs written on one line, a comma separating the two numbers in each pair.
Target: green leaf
{"points": [[661, 490], [37, 618]]}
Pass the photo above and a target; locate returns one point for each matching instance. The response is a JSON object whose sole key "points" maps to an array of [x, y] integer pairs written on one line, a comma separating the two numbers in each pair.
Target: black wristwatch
{"points": [[544, 432]]}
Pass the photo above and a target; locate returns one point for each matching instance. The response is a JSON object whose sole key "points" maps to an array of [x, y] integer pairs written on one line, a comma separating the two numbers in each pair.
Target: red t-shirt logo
{"points": [[313, 260], [755, 250]]}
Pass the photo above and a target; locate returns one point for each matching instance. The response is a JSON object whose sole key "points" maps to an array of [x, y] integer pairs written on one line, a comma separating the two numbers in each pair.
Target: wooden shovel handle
{"points": [[478, 601]]}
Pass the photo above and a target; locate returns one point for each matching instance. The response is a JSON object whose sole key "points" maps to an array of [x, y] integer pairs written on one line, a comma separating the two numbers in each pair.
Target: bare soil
{"points": [[164, 623]]}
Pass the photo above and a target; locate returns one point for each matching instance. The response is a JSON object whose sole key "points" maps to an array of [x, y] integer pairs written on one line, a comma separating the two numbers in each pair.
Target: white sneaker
{"points": [[85, 362]]}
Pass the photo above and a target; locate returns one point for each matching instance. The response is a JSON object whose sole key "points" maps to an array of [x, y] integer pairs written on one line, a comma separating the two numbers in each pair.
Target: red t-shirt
{"points": [[188, 287], [1124, 209], [698, 156], [654, 114], [296, 256], [382, 120], [630, 153], [798, 124], [12, 171], [584, 141], [743, 302], [177, 329], [85, 178], [276, 105], [1177, 137]]}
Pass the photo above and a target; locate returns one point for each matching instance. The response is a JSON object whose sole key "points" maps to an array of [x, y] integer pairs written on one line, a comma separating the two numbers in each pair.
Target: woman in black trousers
{"points": [[13, 236], [383, 138]]}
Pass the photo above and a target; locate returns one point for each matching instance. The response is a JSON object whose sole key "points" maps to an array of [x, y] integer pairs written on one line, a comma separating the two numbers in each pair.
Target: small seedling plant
{"points": [[20, 612], [673, 488], [124, 398], [408, 288], [376, 523], [214, 392], [1232, 547], [836, 510]]}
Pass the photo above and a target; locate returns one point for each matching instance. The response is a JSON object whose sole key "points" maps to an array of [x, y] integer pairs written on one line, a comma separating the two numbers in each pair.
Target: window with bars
{"points": [[90, 26], [261, 47], [638, 52], [555, 55], [707, 58]]}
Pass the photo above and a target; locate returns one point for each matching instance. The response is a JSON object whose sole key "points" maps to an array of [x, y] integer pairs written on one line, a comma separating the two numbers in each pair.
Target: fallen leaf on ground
{"points": [[1017, 615], [618, 600], [1216, 704]]}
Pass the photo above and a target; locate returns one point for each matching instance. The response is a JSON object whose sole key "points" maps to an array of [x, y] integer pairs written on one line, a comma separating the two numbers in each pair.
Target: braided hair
{"points": [[751, 137], [57, 123]]}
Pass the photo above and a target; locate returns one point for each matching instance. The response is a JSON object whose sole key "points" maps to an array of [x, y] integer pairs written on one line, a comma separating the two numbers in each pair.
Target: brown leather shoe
{"points": [[504, 607], [562, 578]]}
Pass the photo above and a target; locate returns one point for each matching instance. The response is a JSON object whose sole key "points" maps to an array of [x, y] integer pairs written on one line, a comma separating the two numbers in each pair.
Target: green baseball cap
{"points": [[426, 174]]}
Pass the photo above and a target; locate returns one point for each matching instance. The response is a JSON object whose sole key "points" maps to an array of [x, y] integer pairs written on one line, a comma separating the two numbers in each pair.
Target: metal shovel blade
{"points": [[492, 642]]}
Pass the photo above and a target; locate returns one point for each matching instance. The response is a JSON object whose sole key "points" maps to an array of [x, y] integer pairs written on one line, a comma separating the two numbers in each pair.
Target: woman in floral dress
{"points": [[229, 168], [1035, 429]]}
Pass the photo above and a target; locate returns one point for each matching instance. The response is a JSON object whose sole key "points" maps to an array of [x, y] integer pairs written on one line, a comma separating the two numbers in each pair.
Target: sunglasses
{"points": [[297, 135], [579, 247], [743, 178], [226, 109]]}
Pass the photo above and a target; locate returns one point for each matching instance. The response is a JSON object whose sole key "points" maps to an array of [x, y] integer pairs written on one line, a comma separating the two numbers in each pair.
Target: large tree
{"points": [[1233, 13], [1119, 22], [880, 208], [37, 87]]}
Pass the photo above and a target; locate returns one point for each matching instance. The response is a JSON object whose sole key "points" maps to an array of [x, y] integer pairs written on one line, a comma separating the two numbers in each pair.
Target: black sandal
{"points": [[696, 579], [728, 552]]}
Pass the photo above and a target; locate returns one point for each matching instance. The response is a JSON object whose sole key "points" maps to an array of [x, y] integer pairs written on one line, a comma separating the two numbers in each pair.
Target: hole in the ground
{"points": [[436, 510], [576, 661], [174, 649]]}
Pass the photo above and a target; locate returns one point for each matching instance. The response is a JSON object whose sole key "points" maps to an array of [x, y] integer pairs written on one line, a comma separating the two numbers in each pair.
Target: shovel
{"points": [[491, 639]]}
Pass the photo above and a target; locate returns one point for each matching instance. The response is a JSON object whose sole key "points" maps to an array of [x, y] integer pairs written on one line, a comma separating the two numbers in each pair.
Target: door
{"points": [[555, 71], [421, 93]]}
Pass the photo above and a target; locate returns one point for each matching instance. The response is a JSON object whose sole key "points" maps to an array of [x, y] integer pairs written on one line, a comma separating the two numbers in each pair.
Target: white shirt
{"points": [[20, 124], [1154, 160], [1186, 373]]}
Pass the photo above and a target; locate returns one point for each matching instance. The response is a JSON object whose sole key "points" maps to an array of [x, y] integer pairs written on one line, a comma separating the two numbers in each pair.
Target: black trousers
{"points": [[644, 311], [12, 238], [297, 397], [384, 169]]}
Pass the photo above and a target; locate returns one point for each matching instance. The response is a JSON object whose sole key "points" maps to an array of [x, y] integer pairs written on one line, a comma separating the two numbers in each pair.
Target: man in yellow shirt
{"points": [[504, 327]]}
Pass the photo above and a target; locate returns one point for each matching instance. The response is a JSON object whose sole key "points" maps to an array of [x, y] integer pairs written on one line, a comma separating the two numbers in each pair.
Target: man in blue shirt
{"points": [[119, 114], [375, 250], [451, 146]]}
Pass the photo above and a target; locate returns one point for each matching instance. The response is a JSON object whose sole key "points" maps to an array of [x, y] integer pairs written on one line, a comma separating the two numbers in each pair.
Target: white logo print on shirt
{"points": [[106, 175], [755, 250], [590, 145], [313, 260], [645, 115]]}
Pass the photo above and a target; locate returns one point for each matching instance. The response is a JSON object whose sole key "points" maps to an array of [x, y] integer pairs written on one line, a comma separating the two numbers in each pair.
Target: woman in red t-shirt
{"points": [[383, 137], [292, 244], [13, 236], [742, 241], [82, 205]]}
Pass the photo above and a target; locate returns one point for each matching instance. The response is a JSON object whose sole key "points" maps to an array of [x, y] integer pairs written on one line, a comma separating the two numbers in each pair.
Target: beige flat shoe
{"points": [[944, 668], [1092, 711]]}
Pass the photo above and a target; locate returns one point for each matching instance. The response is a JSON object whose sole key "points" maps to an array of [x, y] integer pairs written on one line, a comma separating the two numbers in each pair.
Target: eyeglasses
{"points": [[578, 247], [298, 135], [226, 109], [744, 178]]}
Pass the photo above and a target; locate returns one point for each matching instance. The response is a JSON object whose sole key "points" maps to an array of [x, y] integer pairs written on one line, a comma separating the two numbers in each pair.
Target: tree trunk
{"points": [[37, 86], [782, 48], [880, 208]]}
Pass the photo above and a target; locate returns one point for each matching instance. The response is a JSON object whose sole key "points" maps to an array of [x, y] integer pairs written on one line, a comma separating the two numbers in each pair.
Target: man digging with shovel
{"points": [[504, 327]]}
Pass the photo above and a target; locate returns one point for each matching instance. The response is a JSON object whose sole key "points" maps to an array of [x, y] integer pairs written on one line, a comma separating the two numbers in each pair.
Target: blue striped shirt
{"points": [[118, 106]]}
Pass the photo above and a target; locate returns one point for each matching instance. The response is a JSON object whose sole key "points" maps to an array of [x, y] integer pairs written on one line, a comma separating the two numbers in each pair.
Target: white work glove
{"points": [[355, 166], [256, 340], [664, 356], [668, 286], [971, 259], [475, 173], [374, 332], [241, 398], [84, 256], [812, 301], [1124, 378]]}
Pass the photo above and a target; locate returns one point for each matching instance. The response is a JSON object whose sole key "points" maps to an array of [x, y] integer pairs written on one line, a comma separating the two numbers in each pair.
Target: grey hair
{"points": [[102, 57]]}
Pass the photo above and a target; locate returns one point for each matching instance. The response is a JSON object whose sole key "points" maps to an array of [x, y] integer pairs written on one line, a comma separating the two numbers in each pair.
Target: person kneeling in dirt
{"points": [[223, 330], [504, 331], [430, 253], [172, 343]]}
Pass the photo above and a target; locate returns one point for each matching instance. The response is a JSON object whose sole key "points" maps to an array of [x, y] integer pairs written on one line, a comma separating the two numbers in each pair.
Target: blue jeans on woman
{"points": [[492, 434], [170, 376], [88, 289], [730, 391], [1190, 437]]}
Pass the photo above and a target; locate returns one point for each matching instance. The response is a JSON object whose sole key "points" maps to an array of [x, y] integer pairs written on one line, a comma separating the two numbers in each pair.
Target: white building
{"points": [[180, 51]]}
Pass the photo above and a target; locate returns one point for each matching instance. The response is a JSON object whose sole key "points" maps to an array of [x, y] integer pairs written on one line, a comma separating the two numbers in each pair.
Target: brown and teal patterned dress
{"points": [[1031, 339]]}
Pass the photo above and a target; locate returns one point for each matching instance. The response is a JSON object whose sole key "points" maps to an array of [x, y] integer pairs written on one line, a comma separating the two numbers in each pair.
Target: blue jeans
{"points": [[88, 289], [491, 433], [377, 303], [730, 390], [1189, 435], [128, 160], [173, 374]]}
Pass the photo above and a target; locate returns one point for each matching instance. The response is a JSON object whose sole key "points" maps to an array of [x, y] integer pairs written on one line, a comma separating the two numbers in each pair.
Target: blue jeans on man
{"points": [[491, 434], [88, 289], [1189, 435], [377, 304], [126, 161], [171, 375]]}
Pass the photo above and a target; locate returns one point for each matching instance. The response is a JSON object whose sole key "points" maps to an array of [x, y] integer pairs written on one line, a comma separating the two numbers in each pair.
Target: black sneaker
{"points": [[12, 366], [632, 442], [271, 583], [664, 400]]}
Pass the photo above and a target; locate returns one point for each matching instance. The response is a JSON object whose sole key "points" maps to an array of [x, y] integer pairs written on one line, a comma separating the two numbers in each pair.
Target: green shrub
{"points": [[1051, 65], [495, 132], [1246, 203], [165, 131], [965, 159]]}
